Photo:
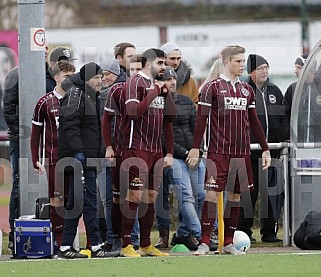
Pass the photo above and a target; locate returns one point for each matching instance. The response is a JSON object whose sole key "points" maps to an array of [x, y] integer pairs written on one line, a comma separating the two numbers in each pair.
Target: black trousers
{"points": [[249, 199]]}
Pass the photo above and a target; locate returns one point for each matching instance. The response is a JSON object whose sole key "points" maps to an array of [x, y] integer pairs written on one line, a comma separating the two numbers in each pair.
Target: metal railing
{"points": [[284, 156]]}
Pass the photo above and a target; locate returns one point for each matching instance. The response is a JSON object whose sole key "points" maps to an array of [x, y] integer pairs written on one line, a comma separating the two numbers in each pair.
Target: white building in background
{"points": [[278, 42]]}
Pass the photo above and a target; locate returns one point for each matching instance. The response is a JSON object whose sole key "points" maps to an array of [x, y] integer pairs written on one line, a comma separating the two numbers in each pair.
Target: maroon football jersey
{"points": [[229, 126], [115, 105], [46, 115], [145, 132]]}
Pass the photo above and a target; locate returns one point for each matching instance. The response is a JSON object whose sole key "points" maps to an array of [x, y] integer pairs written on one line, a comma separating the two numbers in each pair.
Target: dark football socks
{"points": [[146, 220], [57, 221], [231, 217], [207, 220], [128, 210]]}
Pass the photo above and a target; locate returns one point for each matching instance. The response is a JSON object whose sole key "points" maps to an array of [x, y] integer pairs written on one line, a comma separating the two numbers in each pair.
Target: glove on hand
{"points": [[80, 157]]}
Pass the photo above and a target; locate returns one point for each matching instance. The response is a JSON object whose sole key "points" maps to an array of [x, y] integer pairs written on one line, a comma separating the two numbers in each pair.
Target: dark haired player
{"points": [[149, 109]]}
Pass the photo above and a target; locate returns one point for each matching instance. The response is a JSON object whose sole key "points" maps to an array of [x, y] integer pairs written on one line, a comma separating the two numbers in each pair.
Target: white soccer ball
{"points": [[241, 241]]}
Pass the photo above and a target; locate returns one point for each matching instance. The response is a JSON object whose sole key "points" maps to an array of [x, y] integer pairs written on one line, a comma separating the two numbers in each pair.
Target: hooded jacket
{"points": [[79, 120], [185, 83]]}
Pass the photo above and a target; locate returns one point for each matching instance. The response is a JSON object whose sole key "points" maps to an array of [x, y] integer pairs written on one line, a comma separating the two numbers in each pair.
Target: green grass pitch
{"points": [[213, 265]]}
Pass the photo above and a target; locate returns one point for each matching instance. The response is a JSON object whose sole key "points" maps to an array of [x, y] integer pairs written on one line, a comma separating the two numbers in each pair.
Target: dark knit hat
{"points": [[169, 72], [301, 59], [254, 61], [89, 70]]}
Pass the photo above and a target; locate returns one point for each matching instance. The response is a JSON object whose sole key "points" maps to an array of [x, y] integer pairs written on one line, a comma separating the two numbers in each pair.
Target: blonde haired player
{"points": [[229, 104]]}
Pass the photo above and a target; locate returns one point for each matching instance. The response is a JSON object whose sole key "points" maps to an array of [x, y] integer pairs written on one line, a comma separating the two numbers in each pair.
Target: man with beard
{"points": [[149, 109], [185, 83]]}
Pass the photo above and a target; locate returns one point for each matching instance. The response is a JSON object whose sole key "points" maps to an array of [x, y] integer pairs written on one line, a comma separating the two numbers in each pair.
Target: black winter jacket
{"points": [[11, 104], [288, 99], [270, 111], [79, 120], [183, 126]]}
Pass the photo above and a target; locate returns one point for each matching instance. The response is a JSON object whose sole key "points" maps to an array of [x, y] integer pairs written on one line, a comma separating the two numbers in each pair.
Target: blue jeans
{"points": [[188, 186], [14, 197], [105, 186], [82, 200], [135, 232]]}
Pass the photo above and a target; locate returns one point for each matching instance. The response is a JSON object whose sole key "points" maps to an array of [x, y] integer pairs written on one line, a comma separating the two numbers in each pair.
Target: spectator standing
{"points": [[270, 111], [124, 51], [111, 76], [288, 96], [44, 125], [57, 54], [135, 64], [11, 115], [215, 71], [80, 139], [185, 83], [188, 183], [230, 105]]}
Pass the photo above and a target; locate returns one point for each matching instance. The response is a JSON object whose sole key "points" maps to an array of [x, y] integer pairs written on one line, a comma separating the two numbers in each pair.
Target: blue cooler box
{"points": [[33, 238]]}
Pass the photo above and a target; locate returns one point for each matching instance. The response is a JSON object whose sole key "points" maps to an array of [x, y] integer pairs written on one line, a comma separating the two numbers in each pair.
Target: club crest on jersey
{"points": [[272, 99], [136, 182], [245, 91], [235, 103], [158, 103], [211, 183]]}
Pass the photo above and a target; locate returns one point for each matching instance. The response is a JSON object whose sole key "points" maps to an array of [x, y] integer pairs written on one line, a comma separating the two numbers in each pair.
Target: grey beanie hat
{"points": [[111, 65], [169, 47]]}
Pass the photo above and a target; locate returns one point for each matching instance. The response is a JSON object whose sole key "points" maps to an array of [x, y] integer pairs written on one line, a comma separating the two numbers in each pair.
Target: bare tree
{"points": [[8, 14], [59, 14]]}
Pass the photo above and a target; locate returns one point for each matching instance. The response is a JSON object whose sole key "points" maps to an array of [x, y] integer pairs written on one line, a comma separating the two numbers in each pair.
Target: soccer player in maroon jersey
{"points": [[113, 153], [114, 107], [44, 135], [149, 109], [229, 105]]}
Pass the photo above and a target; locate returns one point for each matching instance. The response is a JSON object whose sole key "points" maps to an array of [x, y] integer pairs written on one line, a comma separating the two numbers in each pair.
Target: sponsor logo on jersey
{"points": [[136, 182], [211, 183], [158, 103], [235, 103], [272, 99]]}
